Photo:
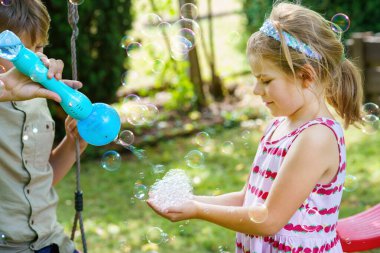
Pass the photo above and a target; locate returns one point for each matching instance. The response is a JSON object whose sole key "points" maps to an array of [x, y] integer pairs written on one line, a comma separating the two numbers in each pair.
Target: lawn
{"points": [[116, 221]]}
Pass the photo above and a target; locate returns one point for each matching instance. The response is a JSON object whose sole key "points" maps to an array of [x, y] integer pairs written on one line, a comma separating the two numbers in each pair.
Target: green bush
{"points": [[100, 58]]}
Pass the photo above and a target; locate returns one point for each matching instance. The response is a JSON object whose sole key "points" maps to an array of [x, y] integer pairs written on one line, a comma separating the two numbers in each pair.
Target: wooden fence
{"points": [[364, 48]]}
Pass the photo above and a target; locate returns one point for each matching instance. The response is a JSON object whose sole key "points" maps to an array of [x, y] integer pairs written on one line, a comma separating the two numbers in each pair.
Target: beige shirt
{"points": [[28, 200]]}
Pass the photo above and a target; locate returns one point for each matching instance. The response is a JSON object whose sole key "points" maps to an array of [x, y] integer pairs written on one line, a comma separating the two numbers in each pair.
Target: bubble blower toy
{"points": [[98, 123]]}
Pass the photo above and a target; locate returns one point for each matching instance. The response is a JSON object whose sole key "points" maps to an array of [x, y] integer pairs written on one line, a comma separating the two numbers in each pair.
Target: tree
{"points": [[100, 58]]}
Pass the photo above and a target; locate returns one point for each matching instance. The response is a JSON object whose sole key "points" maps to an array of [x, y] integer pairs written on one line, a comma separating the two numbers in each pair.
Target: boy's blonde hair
{"points": [[340, 78], [26, 18]]}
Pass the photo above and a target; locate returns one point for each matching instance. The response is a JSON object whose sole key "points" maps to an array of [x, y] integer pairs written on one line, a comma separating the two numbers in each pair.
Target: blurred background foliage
{"points": [[115, 220]]}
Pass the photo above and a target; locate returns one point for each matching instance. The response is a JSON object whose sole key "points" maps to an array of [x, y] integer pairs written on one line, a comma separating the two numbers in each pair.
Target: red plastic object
{"points": [[360, 232]]}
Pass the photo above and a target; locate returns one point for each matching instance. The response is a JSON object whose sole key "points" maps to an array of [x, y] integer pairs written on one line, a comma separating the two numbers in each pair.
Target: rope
{"points": [[73, 18]]}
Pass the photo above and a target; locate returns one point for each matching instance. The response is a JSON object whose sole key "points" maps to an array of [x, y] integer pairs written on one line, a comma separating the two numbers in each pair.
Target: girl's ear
{"points": [[307, 75]]}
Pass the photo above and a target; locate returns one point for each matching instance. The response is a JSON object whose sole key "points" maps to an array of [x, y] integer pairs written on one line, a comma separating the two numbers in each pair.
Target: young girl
{"points": [[291, 200]]}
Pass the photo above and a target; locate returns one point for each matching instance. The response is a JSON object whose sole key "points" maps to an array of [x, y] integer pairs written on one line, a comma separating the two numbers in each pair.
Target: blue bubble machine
{"points": [[98, 123]]}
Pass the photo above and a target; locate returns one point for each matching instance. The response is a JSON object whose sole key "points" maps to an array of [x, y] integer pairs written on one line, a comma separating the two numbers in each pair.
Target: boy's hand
{"points": [[72, 133], [20, 87], [55, 66]]}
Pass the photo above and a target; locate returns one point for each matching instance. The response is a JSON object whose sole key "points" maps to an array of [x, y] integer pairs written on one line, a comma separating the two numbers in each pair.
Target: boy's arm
{"points": [[63, 156]]}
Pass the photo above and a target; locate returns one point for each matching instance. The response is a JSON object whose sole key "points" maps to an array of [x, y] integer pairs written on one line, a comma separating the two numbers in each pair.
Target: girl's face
{"points": [[281, 93]]}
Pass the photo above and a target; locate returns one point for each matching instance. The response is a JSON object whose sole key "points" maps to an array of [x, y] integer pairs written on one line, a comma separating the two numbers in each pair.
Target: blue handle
{"points": [[75, 103]]}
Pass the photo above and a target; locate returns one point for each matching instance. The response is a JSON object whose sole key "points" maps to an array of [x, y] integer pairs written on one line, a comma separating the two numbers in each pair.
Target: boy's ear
{"points": [[307, 75]]}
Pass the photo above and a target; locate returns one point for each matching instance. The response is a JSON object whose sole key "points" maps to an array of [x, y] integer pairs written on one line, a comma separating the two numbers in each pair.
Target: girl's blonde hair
{"points": [[26, 18], [340, 79]]}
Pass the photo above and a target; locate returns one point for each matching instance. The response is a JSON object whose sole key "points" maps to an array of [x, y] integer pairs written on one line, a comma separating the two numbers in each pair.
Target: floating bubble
{"points": [[2, 69], [228, 147], [134, 50], [140, 191], [341, 22], [351, 183], [310, 219], [132, 98], [371, 124], [347, 240], [189, 11], [180, 45], [111, 160], [135, 114], [76, 2], [246, 135], [165, 26], [125, 41], [149, 23], [157, 66], [186, 23], [194, 159], [258, 213], [189, 35], [234, 37], [371, 109], [155, 235], [6, 2], [150, 113], [126, 138], [158, 168], [202, 138]]}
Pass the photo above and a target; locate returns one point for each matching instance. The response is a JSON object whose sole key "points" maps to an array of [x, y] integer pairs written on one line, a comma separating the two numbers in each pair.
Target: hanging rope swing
{"points": [[73, 18]]}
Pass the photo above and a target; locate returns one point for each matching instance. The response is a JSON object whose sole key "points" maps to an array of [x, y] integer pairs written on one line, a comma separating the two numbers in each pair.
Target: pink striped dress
{"points": [[312, 228]]}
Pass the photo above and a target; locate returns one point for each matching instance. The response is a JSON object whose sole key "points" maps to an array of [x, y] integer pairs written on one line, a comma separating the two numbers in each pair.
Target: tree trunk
{"points": [[195, 72], [216, 86]]}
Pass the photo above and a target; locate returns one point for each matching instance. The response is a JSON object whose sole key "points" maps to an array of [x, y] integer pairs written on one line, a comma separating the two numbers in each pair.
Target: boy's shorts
{"points": [[51, 249]]}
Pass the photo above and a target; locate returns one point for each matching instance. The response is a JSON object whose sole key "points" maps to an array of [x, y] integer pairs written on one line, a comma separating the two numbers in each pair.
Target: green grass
{"points": [[117, 222]]}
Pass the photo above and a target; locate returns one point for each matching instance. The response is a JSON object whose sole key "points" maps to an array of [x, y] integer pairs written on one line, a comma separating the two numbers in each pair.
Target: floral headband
{"points": [[269, 30]]}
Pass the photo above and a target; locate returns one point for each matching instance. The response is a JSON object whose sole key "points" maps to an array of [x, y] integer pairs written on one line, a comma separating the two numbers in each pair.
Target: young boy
{"points": [[28, 166]]}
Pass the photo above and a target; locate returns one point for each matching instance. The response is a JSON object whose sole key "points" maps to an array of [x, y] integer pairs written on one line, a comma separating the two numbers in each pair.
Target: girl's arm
{"points": [[228, 199], [313, 153]]}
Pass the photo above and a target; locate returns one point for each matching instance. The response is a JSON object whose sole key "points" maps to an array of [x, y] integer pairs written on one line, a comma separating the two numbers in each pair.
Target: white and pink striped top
{"points": [[312, 228]]}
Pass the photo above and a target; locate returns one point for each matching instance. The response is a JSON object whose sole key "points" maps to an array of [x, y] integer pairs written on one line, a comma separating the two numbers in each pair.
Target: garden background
{"points": [[209, 93]]}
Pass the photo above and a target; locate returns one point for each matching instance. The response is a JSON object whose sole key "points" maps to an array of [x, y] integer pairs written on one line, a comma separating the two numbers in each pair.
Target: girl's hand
{"points": [[72, 133], [186, 211]]}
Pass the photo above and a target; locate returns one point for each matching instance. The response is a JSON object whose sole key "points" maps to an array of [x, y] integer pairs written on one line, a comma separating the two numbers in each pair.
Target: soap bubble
{"points": [[202, 138], [140, 191], [371, 109], [155, 235], [111, 160], [125, 41], [194, 159], [228, 147], [351, 183], [258, 213], [371, 124], [189, 11], [126, 138], [341, 22]]}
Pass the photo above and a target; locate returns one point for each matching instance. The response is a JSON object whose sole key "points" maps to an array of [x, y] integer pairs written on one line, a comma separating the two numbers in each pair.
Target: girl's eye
{"points": [[266, 82]]}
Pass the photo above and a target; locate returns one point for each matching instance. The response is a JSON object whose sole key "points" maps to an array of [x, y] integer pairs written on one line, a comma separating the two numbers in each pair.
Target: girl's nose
{"points": [[258, 89]]}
